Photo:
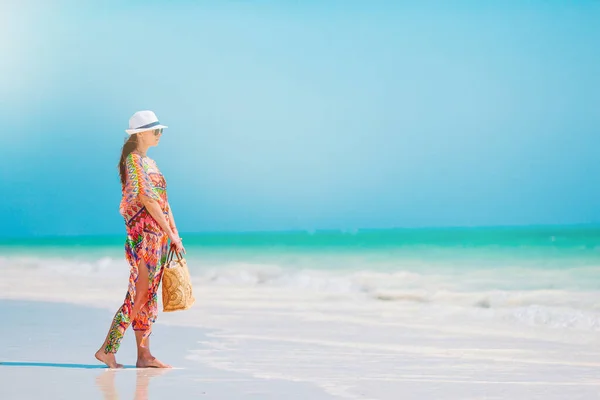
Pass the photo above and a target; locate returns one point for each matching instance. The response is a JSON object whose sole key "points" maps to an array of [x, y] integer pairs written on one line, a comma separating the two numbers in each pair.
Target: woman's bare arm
{"points": [[154, 209], [172, 221]]}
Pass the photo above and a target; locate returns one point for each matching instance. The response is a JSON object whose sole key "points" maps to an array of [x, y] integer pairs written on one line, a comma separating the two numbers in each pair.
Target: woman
{"points": [[149, 224]]}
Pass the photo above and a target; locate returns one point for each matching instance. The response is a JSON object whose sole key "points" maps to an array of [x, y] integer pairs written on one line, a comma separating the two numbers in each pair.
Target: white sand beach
{"points": [[46, 354], [271, 342]]}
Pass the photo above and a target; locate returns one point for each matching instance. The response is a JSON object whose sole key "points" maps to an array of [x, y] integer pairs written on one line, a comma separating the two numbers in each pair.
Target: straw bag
{"points": [[176, 283]]}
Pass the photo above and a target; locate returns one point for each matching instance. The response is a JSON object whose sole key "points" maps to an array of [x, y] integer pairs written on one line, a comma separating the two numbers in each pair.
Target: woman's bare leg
{"points": [[145, 358], [141, 298]]}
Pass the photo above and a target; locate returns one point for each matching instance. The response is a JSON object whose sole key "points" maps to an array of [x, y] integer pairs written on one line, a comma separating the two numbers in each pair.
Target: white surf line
{"points": [[432, 351], [432, 380]]}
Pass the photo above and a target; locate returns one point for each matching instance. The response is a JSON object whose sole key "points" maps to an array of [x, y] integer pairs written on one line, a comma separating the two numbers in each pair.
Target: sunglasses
{"points": [[158, 132]]}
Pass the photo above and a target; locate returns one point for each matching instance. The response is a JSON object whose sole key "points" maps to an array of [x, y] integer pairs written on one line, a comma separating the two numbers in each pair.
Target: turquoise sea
{"points": [[507, 258]]}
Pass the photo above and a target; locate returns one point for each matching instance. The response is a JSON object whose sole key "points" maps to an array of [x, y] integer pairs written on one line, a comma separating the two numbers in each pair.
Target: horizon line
{"points": [[324, 230]]}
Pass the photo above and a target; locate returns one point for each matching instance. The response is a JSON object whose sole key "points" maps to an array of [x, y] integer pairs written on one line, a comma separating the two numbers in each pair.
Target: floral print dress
{"points": [[145, 241]]}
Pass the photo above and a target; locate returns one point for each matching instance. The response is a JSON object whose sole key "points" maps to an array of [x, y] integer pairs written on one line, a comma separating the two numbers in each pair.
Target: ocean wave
{"points": [[556, 317], [105, 266], [478, 289]]}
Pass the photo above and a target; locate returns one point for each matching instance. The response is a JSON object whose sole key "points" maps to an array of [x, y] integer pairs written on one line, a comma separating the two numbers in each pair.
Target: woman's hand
{"points": [[178, 244]]}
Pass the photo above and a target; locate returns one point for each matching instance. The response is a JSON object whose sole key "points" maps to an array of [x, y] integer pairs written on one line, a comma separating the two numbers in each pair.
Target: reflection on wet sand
{"points": [[106, 382]]}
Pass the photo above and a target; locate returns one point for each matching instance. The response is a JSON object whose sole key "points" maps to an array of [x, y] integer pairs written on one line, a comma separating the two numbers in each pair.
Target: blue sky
{"points": [[303, 115]]}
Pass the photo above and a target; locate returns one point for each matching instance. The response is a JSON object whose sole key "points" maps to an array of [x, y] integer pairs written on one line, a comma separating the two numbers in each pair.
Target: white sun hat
{"points": [[143, 121]]}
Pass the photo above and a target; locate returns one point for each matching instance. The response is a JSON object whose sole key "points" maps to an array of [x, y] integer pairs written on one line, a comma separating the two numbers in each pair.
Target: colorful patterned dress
{"points": [[145, 241]]}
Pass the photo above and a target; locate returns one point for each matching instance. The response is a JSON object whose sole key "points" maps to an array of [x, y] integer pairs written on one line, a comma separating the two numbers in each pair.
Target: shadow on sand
{"points": [[106, 380], [55, 365]]}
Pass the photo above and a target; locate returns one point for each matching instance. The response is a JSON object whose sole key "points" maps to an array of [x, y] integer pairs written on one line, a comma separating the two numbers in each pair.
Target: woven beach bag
{"points": [[176, 283]]}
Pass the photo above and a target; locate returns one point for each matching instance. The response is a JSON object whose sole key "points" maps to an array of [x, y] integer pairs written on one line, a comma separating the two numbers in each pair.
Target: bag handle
{"points": [[171, 252]]}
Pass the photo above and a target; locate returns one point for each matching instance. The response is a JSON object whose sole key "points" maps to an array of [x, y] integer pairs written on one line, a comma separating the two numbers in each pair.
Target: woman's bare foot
{"points": [[150, 362], [108, 359]]}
